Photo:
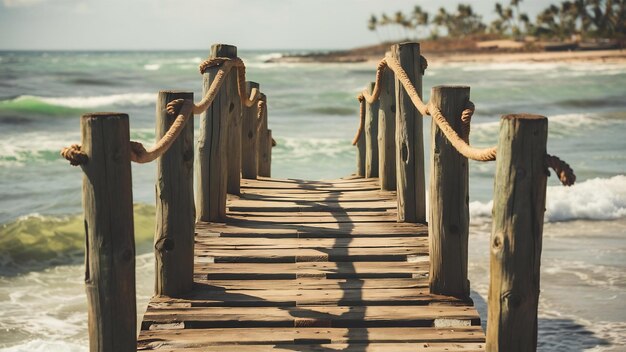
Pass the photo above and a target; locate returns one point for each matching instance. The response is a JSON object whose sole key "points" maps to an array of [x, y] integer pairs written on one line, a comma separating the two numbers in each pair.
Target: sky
{"points": [[195, 24]]}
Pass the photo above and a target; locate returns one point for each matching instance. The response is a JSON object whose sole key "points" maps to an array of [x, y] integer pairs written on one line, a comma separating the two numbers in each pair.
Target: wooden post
{"points": [[448, 224], [233, 150], [264, 167], [371, 136], [270, 145], [387, 133], [212, 141], [360, 151], [110, 242], [409, 139], [518, 209], [249, 136], [175, 211]]}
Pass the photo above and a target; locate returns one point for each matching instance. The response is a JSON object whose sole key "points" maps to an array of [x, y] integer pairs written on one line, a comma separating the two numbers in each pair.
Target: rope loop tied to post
{"points": [[74, 155], [460, 143], [562, 169]]}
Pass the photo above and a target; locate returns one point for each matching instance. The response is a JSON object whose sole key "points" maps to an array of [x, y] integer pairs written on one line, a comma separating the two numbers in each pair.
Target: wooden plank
{"points": [[242, 271], [273, 255], [155, 339], [376, 347], [314, 284], [291, 297], [314, 243], [312, 316]]}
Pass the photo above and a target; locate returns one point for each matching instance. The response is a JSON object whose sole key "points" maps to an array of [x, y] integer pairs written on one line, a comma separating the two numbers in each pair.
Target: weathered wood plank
{"points": [[357, 347], [280, 336]]}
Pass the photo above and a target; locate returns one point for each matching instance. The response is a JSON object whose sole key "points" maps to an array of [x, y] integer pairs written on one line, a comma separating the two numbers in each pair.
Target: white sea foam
{"points": [[126, 99], [151, 67], [594, 199], [269, 56]]}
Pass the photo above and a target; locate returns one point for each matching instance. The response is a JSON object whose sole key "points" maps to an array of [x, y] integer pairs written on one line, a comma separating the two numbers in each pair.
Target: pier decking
{"points": [[311, 266]]}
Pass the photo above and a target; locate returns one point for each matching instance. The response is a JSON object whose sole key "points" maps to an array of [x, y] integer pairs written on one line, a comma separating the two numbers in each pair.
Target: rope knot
{"points": [[216, 61], [174, 106], [562, 169], [74, 155]]}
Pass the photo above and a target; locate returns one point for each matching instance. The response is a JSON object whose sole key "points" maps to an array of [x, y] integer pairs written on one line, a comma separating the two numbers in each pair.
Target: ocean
{"points": [[313, 114]]}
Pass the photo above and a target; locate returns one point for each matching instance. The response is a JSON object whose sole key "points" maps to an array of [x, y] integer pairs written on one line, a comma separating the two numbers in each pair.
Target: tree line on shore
{"points": [[588, 19]]}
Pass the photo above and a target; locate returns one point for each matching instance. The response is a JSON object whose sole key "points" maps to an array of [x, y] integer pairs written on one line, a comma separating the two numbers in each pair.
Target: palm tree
{"points": [[372, 25], [400, 21]]}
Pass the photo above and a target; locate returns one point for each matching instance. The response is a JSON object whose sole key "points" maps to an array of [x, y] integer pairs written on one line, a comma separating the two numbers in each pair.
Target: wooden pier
{"points": [[311, 266], [254, 263]]}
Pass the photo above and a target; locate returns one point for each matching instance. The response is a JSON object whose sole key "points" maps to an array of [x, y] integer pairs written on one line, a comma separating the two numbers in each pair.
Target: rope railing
{"points": [[461, 143], [184, 109]]}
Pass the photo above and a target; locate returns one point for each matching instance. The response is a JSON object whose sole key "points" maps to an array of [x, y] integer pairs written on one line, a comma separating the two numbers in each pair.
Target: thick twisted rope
{"points": [[359, 131], [140, 155], [562, 169], [460, 143], [74, 155], [184, 109]]}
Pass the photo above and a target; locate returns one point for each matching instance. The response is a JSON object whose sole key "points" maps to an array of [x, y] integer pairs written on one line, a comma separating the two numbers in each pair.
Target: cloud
{"points": [[21, 3]]}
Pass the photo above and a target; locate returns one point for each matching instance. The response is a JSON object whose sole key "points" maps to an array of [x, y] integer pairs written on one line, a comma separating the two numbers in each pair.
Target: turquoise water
{"points": [[313, 115]]}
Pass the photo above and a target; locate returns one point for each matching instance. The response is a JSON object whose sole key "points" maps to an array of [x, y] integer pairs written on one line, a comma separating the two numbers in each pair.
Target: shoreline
{"points": [[615, 56]]}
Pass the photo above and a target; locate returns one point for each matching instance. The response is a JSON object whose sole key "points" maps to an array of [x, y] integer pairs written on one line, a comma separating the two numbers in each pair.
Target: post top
{"points": [[523, 116], [404, 45], [450, 87], [104, 115], [252, 84], [180, 92], [223, 50]]}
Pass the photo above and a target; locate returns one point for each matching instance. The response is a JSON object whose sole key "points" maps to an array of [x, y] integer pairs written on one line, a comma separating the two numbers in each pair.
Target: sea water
{"points": [[313, 114]]}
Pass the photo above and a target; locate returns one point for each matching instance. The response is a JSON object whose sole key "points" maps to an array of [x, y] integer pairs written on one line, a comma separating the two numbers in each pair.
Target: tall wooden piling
{"points": [[264, 148], [110, 243], [371, 136], [448, 223], [249, 136], [211, 170], [516, 239], [387, 132], [233, 150], [175, 210], [360, 149], [409, 139]]}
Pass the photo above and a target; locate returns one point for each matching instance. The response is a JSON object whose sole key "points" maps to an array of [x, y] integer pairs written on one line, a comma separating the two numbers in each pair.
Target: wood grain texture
{"points": [[387, 133], [233, 151], [249, 136], [175, 210], [311, 274], [371, 136], [361, 151], [409, 139], [264, 163], [211, 164], [516, 238], [448, 223], [110, 242]]}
